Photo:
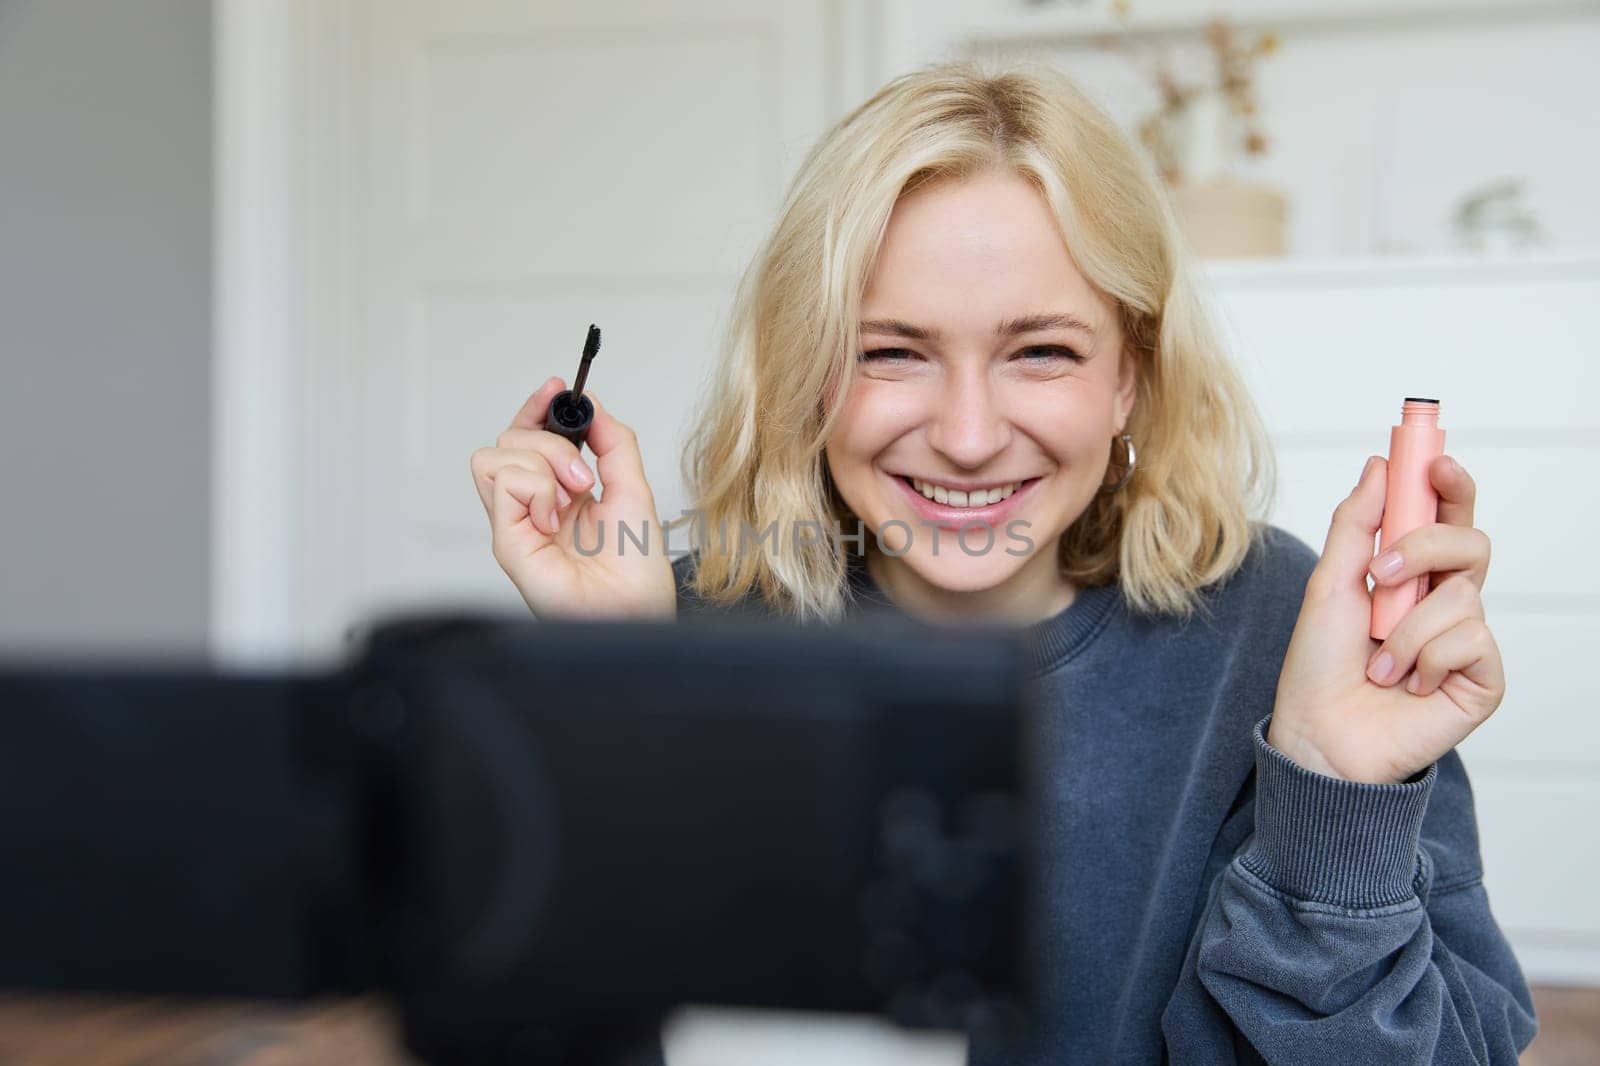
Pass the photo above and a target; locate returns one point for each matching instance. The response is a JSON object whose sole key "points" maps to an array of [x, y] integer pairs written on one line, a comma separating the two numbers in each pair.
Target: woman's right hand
{"points": [[538, 494]]}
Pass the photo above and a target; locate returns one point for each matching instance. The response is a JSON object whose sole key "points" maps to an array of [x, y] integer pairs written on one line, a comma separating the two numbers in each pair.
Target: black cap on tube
{"points": [[571, 412], [570, 418]]}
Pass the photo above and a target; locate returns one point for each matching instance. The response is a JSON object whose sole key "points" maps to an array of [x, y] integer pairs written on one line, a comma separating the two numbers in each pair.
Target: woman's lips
{"points": [[955, 518]]}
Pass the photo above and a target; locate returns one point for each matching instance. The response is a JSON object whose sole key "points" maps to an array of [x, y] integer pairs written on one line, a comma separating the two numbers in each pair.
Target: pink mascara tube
{"points": [[1409, 501]]}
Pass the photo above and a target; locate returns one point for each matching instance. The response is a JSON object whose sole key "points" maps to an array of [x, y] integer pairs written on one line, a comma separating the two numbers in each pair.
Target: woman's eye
{"points": [[1037, 354], [1044, 352]]}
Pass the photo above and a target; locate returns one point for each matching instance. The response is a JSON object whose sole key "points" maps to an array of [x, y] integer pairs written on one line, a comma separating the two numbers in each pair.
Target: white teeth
{"points": [[958, 498]]}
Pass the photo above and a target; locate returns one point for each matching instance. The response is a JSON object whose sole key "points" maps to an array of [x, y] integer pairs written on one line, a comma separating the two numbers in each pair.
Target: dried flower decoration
{"points": [[1233, 80]]}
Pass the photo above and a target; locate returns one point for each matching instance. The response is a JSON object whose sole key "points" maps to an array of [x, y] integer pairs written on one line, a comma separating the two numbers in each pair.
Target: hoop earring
{"points": [[1127, 471]]}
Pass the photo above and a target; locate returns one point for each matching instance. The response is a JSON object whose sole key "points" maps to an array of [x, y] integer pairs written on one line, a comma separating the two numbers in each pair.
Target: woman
{"points": [[975, 312]]}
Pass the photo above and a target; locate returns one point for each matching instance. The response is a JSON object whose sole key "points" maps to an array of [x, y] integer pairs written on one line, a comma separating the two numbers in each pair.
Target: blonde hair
{"points": [[1182, 521]]}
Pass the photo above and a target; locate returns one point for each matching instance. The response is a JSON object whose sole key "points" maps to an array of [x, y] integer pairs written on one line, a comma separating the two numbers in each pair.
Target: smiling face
{"points": [[992, 367]]}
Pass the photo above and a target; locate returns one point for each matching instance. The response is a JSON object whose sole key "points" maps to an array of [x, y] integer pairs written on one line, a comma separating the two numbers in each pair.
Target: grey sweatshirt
{"points": [[1215, 902]]}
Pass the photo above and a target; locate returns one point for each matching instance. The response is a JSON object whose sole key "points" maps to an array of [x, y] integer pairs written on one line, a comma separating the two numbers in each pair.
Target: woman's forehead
{"points": [[968, 255]]}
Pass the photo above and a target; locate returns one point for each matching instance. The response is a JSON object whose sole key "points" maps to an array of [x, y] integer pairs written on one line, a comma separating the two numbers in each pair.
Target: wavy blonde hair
{"points": [[1182, 521]]}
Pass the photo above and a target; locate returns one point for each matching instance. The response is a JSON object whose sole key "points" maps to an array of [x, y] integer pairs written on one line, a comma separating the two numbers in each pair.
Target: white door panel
{"points": [[529, 169]]}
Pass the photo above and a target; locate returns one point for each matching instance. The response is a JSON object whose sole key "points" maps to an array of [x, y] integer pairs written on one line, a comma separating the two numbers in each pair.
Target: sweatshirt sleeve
{"points": [[1351, 926]]}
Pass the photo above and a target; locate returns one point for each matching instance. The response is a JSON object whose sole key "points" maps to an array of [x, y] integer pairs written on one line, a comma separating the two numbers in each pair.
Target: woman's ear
{"points": [[1127, 388]]}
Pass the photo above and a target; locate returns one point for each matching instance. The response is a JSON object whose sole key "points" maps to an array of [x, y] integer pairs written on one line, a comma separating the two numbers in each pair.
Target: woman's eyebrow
{"points": [[895, 327], [1040, 323]]}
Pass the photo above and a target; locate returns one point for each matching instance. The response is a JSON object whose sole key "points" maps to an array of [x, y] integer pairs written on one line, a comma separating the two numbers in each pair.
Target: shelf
{"points": [[1544, 264], [1085, 23]]}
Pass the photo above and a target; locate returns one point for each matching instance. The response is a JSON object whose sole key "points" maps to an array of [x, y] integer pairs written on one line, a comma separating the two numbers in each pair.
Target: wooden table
{"points": [[62, 1030], [104, 1031]]}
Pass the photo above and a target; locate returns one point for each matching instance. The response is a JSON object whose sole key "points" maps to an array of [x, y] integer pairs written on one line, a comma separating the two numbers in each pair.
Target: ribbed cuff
{"points": [[1323, 839]]}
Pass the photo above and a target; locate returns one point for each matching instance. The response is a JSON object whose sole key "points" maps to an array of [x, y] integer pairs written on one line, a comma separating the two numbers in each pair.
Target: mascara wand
{"points": [[571, 412]]}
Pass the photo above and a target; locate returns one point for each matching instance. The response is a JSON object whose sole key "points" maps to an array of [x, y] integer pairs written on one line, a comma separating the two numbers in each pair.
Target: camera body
{"points": [[537, 839]]}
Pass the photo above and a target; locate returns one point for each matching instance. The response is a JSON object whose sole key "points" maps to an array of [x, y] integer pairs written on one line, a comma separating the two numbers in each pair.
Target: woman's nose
{"points": [[970, 427]]}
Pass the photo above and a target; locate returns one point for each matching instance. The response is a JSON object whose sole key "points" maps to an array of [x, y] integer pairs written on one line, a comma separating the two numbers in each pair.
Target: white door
{"points": [[514, 171]]}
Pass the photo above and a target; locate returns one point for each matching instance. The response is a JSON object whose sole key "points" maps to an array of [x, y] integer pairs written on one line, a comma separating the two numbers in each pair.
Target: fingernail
{"points": [[580, 471], [1455, 466], [1381, 669], [561, 497], [555, 522], [1387, 565], [1414, 686]]}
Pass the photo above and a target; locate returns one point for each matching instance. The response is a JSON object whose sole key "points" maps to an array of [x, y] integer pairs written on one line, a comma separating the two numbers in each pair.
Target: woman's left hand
{"points": [[1338, 711]]}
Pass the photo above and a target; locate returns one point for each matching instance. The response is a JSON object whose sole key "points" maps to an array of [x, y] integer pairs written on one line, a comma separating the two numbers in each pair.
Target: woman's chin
{"points": [[954, 570]]}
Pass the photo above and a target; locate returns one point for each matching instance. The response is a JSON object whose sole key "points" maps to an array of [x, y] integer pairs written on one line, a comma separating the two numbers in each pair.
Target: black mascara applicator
{"points": [[571, 411]]}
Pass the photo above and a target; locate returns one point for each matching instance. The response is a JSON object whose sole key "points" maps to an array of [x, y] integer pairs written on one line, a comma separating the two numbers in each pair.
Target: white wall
{"points": [[105, 307]]}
